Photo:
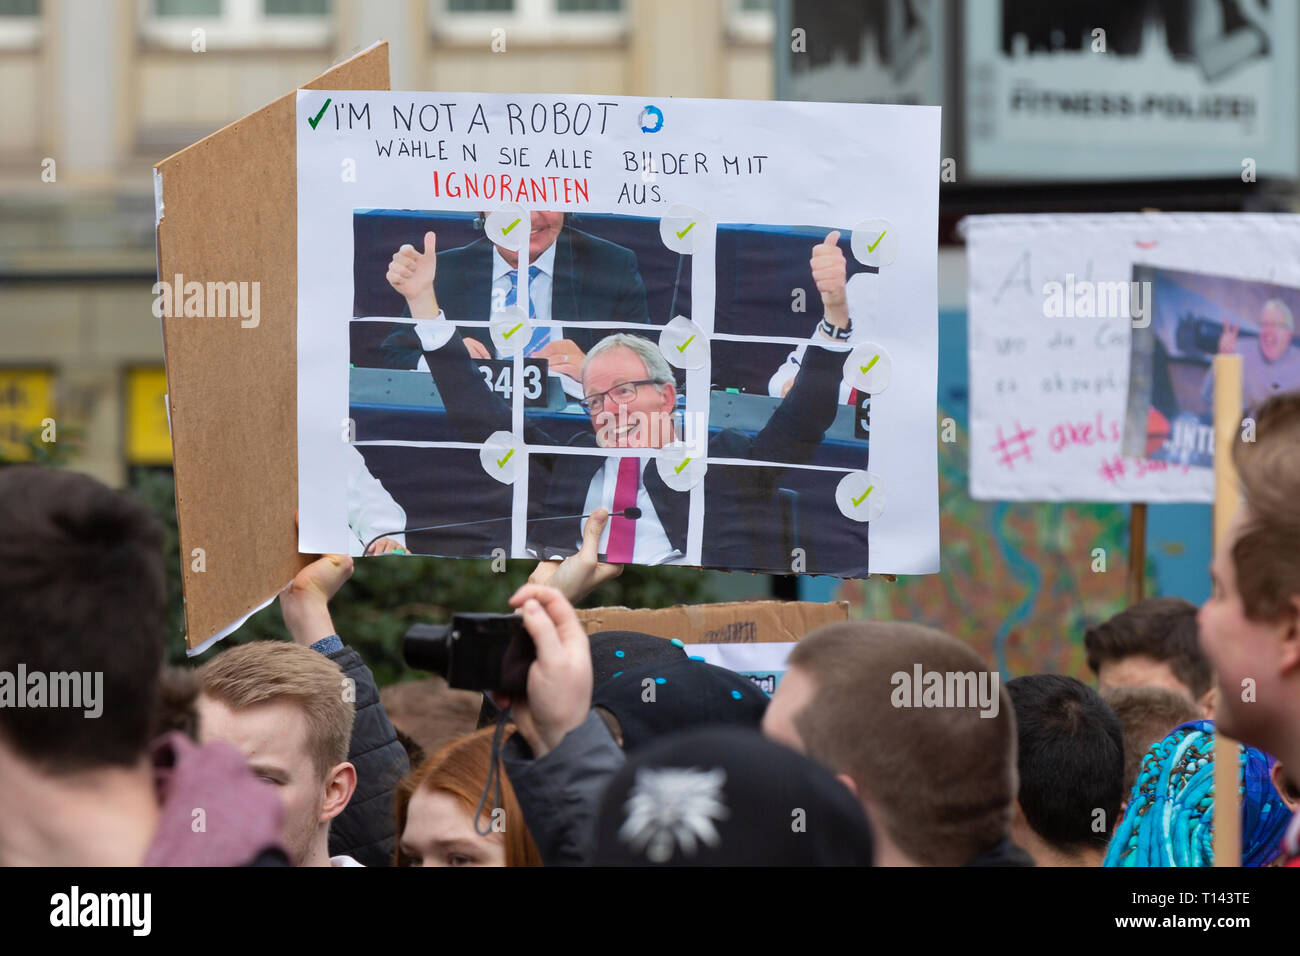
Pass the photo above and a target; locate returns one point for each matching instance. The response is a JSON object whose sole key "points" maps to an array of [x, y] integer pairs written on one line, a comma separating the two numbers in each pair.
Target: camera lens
{"points": [[427, 647]]}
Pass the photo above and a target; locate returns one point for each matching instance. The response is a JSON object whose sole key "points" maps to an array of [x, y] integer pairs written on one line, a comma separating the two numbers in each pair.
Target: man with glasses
{"points": [[1272, 368], [630, 395]]}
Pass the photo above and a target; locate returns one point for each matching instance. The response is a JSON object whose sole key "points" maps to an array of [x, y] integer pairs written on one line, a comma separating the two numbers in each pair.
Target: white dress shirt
{"points": [[788, 369], [539, 292], [371, 509], [651, 544]]}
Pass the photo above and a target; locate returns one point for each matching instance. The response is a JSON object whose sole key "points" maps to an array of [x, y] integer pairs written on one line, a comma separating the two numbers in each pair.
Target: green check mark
{"points": [[506, 230], [864, 369], [514, 330], [502, 462], [682, 347], [679, 468], [316, 119], [689, 227], [872, 247], [858, 501]]}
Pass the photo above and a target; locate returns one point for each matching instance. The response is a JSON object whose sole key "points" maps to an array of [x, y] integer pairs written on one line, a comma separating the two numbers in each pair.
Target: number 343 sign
{"points": [[500, 377]]}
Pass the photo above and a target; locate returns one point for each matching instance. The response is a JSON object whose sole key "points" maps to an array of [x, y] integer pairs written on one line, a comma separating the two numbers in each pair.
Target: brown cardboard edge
{"points": [[242, 571]]}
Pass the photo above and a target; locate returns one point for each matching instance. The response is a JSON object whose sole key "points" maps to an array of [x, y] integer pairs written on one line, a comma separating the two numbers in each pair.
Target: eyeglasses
{"points": [[620, 394]]}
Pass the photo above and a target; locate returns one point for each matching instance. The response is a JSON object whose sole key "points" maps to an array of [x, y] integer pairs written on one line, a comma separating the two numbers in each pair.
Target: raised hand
{"points": [[1228, 340], [411, 273], [305, 602], [559, 681], [579, 574], [830, 273]]}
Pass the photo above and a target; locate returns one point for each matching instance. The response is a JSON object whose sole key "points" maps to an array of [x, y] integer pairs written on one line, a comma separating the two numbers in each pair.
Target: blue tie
{"points": [[540, 336]]}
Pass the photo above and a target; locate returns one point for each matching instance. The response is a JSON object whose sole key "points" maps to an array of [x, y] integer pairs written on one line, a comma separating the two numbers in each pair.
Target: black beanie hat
{"points": [[615, 652], [684, 695], [725, 796]]}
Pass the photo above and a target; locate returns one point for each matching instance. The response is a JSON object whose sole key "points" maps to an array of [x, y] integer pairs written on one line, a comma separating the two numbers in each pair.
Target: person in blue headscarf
{"points": [[1169, 820]]}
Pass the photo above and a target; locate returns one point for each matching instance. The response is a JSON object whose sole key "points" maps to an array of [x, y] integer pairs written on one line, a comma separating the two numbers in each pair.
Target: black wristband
{"points": [[836, 333]]}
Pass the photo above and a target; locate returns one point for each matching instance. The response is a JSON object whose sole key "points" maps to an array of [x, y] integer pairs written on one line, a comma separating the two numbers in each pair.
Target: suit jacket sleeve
{"points": [[474, 409], [630, 298], [401, 348], [800, 422], [365, 828]]}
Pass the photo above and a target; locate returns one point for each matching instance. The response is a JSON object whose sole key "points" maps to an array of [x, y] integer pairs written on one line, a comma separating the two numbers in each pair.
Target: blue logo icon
{"points": [[651, 114]]}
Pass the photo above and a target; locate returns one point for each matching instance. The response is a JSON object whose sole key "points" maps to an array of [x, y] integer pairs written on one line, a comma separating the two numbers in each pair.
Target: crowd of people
{"points": [[625, 750]]}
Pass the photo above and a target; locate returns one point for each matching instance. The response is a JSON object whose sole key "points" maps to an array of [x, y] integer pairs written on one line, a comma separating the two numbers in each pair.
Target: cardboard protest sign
{"points": [[764, 664], [1058, 303], [733, 622], [225, 221], [715, 319]]}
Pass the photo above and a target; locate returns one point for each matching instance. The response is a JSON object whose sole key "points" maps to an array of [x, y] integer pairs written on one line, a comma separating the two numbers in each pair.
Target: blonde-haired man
{"points": [[289, 710]]}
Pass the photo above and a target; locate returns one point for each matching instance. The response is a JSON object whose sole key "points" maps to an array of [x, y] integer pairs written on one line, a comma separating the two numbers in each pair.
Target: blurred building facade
{"points": [[97, 91]]}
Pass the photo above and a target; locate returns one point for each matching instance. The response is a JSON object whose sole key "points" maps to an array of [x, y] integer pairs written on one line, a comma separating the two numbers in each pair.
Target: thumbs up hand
{"points": [[829, 272], [411, 273]]}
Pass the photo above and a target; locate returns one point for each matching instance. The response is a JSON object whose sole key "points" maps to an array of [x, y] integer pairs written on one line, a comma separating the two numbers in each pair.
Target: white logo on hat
{"points": [[673, 807]]}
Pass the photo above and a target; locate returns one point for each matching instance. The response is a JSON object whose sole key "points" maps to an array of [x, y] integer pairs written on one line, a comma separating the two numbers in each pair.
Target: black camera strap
{"points": [[494, 774]]}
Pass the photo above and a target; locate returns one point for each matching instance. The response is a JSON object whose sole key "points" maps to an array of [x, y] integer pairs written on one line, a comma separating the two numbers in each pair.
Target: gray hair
{"points": [[1282, 309], [656, 366]]}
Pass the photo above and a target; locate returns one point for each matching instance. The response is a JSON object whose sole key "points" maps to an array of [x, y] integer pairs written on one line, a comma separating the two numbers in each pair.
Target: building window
{"points": [[20, 24], [148, 430], [473, 21], [298, 24], [26, 408], [752, 21]]}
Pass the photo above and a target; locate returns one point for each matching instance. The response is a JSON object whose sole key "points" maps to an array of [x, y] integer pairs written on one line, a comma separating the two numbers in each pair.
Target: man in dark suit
{"points": [[631, 395], [573, 278]]}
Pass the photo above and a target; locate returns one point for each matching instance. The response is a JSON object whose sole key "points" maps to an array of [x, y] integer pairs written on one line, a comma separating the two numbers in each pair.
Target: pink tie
{"points": [[622, 531]]}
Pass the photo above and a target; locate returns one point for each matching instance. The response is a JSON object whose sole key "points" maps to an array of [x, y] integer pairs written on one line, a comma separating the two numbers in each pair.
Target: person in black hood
{"points": [[727, 796]]}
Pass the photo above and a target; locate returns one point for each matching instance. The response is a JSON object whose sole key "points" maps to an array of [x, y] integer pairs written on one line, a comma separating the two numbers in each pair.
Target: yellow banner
{"points": [[148, 440], [26, 402]]}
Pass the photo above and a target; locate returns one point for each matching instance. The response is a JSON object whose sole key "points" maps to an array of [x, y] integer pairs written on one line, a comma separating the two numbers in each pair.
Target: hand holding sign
{"points": [[830, 272], [411, 273], [1228, 340], [579, 574]]}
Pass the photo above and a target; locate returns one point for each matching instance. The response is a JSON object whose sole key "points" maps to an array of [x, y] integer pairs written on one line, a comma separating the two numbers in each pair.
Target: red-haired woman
{"points": [[435, 812]]}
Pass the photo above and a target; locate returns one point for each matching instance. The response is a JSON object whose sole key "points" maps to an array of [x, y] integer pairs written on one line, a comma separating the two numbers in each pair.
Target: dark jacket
{"points": [[365, 828], [1003, 853], [791, 435], [594, 280], [560, 793]]}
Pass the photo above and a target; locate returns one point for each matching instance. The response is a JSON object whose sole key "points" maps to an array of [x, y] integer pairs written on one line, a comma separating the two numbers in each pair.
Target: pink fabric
{"points": [[240, 814], [622, 531]]}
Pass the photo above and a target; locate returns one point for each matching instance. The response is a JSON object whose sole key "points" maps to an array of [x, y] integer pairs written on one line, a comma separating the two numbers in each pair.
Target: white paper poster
{"points": [[715, 319], [763, 662], [1055, 303]]}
